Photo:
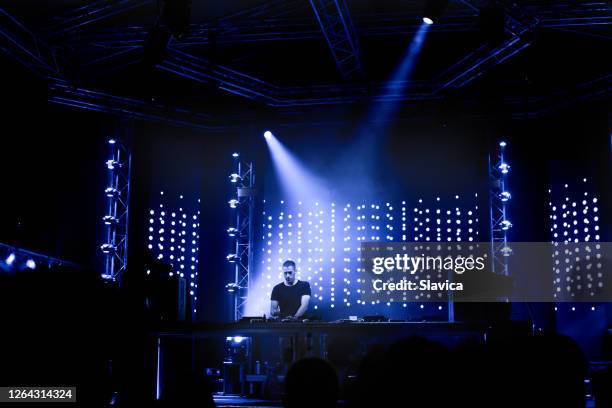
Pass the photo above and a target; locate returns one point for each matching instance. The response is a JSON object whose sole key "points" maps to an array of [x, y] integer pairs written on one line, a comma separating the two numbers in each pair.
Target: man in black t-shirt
{"points": [[290, 298]]}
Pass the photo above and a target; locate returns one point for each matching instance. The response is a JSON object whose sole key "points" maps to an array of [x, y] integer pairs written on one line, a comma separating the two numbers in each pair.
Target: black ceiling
{"points": [[242, 57]]}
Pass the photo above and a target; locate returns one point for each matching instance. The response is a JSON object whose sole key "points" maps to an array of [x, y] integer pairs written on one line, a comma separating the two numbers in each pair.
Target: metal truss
{"points": [[480, 61], [499, 196], [235, 82], [12, 256], [575, 14], [117, 193], [93, 12], [270, 30], [64, 93], [538, 106], [335, 22], [21, 44], [243, 178]]}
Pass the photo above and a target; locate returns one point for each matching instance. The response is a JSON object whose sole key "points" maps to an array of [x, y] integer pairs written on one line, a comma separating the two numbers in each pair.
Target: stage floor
{"points": [[237, 401], [229, 401]]}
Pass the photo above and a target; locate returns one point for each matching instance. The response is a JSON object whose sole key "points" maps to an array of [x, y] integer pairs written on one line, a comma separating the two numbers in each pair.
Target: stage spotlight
{"points": [[31, 264], [111, 164], [268, 134], [506, 225], [109, 219], [505, 196], [232, 287], [10, 259], [427, 20], [233, 258], [112, 141], [233, 203], [502, 144], [107, 248], [235, 177], [504, 167], [232, 232], [111, 192], [235, 155]]}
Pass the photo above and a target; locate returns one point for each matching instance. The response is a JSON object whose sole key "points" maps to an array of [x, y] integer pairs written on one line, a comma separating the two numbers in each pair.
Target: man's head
{"points": [[289, 270]]}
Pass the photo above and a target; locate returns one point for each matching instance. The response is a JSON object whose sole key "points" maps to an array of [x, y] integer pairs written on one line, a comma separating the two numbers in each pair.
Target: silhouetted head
{"points": [[311, 382]]}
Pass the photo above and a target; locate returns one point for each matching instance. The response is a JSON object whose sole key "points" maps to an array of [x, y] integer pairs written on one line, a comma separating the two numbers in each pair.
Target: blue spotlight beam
{"points": [[294, 178], [337, 27], [198, 69], [396, 88]]}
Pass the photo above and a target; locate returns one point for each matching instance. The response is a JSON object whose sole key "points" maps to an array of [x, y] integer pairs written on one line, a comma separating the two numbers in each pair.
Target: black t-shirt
{"points": [[289, 298]]}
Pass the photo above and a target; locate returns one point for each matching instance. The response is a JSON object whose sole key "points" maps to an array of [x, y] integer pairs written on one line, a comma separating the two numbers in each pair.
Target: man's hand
{"points": [[274, 309]]}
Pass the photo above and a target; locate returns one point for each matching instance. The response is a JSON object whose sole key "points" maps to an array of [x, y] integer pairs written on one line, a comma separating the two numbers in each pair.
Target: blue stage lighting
{"points": [[267, 134], [502, 144], [109, 219], [504, 167], [235, 155], [233, 203], [506, 225], [10, 259], [111, 192], [112, 141], [107, 248], [427, 20], [233, 258], [505, 195], [31, 264], [111, 164]]}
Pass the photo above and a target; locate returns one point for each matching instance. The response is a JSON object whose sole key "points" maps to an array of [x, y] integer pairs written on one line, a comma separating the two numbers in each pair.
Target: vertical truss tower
{"points": [[243, 204], [115, 248], [499, 196]]}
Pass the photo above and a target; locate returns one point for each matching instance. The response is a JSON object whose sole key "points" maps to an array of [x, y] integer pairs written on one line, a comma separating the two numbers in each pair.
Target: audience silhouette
{"points": [[311, 382], [67, 328]]}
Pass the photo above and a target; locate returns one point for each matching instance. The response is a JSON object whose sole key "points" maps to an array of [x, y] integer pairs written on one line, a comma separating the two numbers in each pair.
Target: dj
{"points": [[290, 298]]}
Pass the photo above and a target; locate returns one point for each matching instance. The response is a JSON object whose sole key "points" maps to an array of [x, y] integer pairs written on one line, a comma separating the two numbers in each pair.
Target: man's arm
{"points": [[303, 306], [274, 309]]}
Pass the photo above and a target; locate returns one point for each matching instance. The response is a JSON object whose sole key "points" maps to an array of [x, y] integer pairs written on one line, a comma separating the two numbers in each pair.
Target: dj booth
{"points": [[384, 330], [248, 344]]}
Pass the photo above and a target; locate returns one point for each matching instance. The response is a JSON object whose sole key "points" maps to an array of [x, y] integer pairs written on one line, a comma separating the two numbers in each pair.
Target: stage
{"points": [[308, 203]]}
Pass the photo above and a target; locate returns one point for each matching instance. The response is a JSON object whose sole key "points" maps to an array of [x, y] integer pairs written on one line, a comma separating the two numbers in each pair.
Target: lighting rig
{"points": [[115, 247], [242, 205]]}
